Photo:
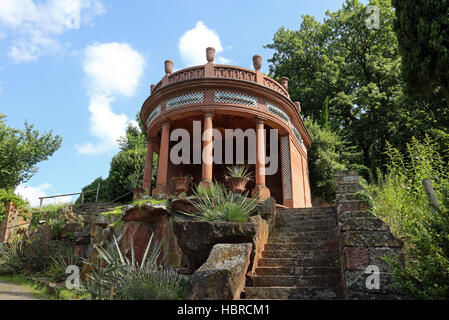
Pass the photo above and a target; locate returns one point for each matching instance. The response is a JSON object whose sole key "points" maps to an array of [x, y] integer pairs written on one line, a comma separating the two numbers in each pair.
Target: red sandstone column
{"points": [[161, 181], [147, 175], [260, 188], [207, 156]]}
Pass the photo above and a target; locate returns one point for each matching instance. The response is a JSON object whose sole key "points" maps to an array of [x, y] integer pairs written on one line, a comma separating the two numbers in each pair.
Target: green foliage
{"points": [[422, 28], [21, 151], [240, 171], [400, 200], [216, 203], [30, 256], [9, 196], [360, 71], [126, 168], [12, 257], [324, 115], [134, 139], [125, 279], [56, 270], [90, 191], [324, 160]]}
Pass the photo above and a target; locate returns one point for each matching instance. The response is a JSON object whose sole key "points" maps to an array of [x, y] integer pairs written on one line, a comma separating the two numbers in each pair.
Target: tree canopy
{"points": [[422, 28], [21, 151], [359, 70]]}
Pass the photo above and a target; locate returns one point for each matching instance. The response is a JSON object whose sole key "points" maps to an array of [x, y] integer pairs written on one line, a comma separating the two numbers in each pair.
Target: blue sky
{"points": [[83, 68]]}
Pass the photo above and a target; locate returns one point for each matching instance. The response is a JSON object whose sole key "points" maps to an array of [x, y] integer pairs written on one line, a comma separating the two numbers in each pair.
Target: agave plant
{"points": [[239, 171], [125, 279], [216, 203]]}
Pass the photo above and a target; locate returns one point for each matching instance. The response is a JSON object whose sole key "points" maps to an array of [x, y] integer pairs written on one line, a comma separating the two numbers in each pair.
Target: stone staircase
{"points": [[300, 259]]}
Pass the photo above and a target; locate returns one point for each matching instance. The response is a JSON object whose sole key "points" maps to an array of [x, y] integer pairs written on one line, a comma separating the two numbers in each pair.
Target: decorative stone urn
{"points": [[257, 62], [238, 184], [284, 82], [210, 54], [181, 184], [168, 66]]}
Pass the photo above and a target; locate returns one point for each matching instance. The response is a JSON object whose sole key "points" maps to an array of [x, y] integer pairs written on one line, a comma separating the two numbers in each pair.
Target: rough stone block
{"points": [[356, 258], [222, 276], [364, 224], [370, 239]]}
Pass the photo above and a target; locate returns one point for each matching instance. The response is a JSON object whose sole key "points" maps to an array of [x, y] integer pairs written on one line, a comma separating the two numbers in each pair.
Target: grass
{"points": [[41, 292]]}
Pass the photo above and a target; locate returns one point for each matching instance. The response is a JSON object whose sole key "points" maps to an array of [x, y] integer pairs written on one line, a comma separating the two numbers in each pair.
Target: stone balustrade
{"points": [[221, 72]]}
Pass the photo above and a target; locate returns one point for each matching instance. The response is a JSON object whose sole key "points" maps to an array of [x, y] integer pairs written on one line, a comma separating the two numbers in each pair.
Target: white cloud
{"points": [[193, 43], [34, 25], [111, 69], [32, 194]]}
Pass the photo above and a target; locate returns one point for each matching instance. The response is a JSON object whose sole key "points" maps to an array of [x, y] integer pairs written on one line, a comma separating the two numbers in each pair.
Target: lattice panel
{"points": [[153, 115], [286, 170], [277, 111], [191, 98], [297, 134], [235, 98]]}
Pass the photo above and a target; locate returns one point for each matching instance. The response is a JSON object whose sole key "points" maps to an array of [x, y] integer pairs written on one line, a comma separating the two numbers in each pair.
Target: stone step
{"points": [[327, 245], [353, 215], [305, 218], [294, 262], [292, 293], [306, 223], [306, 210], [304, 271], [295, 281], [292, 233], [307, 254], [321, 238]]}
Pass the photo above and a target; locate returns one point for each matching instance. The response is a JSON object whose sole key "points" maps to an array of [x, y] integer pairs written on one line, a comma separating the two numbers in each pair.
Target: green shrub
{"points": [[400, 200], [117, 277], [9, 196], [216, 203], [12, 257], [127, 167]]}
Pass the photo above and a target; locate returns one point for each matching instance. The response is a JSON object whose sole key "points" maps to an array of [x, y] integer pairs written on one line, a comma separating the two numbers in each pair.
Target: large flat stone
{"points": [[196, 238]]}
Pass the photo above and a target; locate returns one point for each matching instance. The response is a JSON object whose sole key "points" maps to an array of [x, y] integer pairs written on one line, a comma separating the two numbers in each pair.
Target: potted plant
{"points": [[134, 182], [238, 177], [182, 184]]}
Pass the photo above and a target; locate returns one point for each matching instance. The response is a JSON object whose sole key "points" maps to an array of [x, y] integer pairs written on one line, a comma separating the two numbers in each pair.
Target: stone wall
{"points": [[14, 222], [364, 242]]}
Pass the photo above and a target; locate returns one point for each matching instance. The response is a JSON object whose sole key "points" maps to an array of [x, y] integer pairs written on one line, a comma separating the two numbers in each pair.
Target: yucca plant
{"points": [[12, 257], [239, 171], [125, 279], [216, 203]]}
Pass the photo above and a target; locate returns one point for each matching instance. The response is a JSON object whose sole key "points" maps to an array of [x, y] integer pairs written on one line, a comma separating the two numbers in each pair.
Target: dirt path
{"points": [[9, 291]]}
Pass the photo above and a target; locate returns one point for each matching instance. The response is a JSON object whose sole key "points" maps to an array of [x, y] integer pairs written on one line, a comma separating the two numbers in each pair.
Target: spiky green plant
{"points": [[216, 203], [239, 171], [125, 279]]}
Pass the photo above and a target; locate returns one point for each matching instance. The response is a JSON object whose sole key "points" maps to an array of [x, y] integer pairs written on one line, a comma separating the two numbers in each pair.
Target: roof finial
{"points": [[284, 82], [210, 54], [168, 66], [257, 62]]}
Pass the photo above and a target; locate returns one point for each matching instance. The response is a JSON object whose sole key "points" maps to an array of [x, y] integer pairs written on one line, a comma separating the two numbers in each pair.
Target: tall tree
{"points": [[359, 69], [422, 27], [21, 151]]}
